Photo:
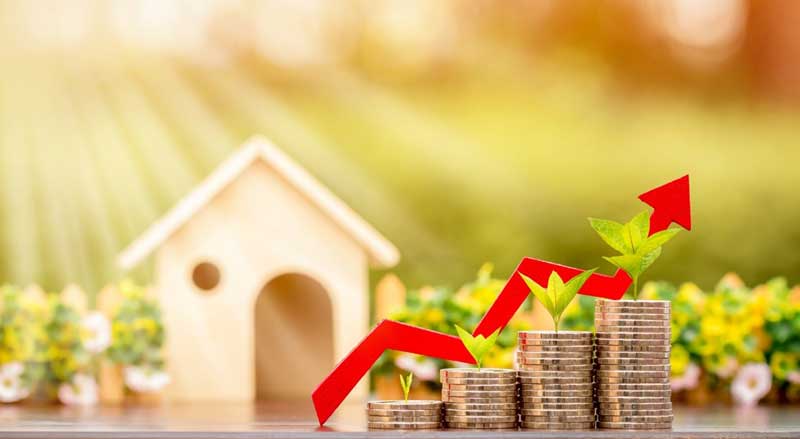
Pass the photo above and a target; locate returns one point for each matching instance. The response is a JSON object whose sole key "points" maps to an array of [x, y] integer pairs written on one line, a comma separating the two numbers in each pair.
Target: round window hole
{"points": [[206, 276]]}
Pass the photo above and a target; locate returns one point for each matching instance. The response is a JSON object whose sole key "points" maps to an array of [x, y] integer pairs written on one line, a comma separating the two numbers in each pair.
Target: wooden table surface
{"points": [[297, 421]]}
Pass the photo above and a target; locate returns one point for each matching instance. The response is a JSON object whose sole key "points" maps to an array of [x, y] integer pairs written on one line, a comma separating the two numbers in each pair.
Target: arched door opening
{"points": [[293, 338]]}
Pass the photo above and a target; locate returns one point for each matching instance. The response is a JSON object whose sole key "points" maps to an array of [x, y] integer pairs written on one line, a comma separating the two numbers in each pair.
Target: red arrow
{"points": [[387, 335], [670, 203]]}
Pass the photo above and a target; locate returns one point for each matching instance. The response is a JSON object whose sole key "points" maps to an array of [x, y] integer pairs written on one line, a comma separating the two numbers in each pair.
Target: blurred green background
{"points": [[464, 131]]}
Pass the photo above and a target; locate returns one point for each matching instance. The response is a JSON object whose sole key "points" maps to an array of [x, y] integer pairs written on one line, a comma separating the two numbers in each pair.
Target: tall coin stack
{"points": [[633, 347], [404, 415], [555, 376], [479, 399]]}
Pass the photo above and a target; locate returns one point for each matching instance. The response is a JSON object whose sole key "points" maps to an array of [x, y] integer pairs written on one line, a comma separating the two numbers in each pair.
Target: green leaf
{"points": [[479, 345], [554, 288], [540, 293], [632, 264], [642, 223], [611, 233], [649, 258], [658, 239], [405, 383], [570, 290]]}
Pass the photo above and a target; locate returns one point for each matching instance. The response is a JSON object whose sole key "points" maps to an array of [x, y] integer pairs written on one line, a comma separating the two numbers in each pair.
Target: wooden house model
{"points": [[262, 274]]}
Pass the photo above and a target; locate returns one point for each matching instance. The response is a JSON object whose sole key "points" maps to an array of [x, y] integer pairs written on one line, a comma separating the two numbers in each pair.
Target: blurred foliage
{"points": [[462, 167], [65, 352], [137, 330], [441, 309]]}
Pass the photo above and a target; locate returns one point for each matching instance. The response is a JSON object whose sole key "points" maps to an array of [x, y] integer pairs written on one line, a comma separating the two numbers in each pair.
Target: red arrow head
{"points": [[670, 203]]}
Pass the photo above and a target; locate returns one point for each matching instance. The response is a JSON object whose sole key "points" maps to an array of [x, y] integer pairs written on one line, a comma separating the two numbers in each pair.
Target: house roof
{"points": [[382, 253]]}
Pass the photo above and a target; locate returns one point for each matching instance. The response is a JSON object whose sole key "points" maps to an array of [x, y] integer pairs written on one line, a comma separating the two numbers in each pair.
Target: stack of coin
{"points": [[404, 415], [556, 380], [633, 347], [479, 399]]}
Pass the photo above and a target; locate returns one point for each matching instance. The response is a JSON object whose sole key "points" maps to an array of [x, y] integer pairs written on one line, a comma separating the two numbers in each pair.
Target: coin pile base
{"points": [[479, 399], [404, 415], [632, 363], [556, 384]]}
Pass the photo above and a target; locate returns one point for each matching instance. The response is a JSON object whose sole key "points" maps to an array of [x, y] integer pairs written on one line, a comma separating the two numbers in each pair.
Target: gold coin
{"points": [[613, 407], [559, 418], [553, 335], [586, 405], [607, 394], [557, 425], [629, 380], [463, 406], [479, 381], [630, 326], [621, 355], [557, 381], [484, 373], [482, 425], [634, 426], [561, 386], [481, 413], [483, 419], [481, 393], [663, 412], [405, 405], [646, 419], [555, 367], [646, 337], [404, 425], [632, 348], [381, 418], [636, 303], [633, 386], [633, 322], [480, 387], [584, 411], [555, 392], [539, 359], [403, 413], [524, 399], [479, 400], [623, 361], [602, 373], [564, 347], [564, 375], [633, 367]]}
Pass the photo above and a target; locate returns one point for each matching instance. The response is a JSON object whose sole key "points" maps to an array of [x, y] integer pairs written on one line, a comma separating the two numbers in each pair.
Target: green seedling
{"points": [[477, 346], [639, 250], [405, 383], [558, 294]]}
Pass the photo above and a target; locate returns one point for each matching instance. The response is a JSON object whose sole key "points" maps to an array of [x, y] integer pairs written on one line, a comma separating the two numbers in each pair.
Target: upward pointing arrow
{"points": [[670, 203]]}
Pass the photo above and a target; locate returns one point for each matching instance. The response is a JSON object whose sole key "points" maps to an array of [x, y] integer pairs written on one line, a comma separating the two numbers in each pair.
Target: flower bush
{"points": [[440, 309], [22, 342], [138, 339], [740, 342]]}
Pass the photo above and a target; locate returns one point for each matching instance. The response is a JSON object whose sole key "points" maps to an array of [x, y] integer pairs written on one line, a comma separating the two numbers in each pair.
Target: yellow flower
{"points": [[678, 360], [432, 316], [783, 363]]}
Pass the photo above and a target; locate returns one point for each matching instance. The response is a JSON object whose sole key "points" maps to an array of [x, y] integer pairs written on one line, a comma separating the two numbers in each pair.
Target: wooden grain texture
{"points": [[244, 421]]}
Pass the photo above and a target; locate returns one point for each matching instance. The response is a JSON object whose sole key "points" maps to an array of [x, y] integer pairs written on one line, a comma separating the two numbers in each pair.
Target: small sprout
{"points": [[405, 383], [477, 346], [558, 295], [639, 249]]}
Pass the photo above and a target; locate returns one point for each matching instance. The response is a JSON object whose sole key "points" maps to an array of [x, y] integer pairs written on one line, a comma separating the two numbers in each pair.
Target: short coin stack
{"points": [[404, 415], [556, 380], [633, 347], [479, 399]]}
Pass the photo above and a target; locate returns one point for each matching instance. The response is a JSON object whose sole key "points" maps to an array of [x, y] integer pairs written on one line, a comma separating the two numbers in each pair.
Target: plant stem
{"points": [[636, 288], [555, 323]]}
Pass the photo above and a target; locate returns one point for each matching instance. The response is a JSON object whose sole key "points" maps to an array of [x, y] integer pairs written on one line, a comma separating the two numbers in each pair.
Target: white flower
{"points": [[143, 380], [689, 379], [81, 391], [98, 332], [425, 370], [751, 384], [11, 389]]}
